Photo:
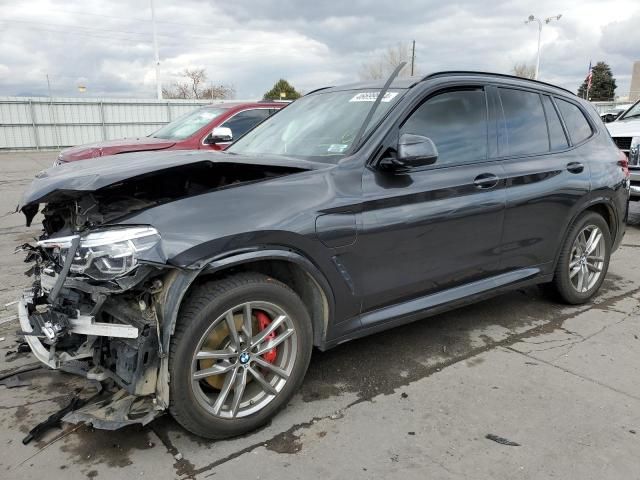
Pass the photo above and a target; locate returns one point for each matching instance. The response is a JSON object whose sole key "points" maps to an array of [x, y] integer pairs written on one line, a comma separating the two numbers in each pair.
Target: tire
{"points": [[563, 284], [209, 310]]}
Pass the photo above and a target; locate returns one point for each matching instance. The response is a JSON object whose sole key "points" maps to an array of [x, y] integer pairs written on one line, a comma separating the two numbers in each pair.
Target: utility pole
{"points": [[52, 114], [532, 18], [413, 56], [155, 51]]}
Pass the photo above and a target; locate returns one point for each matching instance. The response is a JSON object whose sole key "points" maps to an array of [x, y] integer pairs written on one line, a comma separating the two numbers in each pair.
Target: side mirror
{"points": [[219, 135], [413, 151]]}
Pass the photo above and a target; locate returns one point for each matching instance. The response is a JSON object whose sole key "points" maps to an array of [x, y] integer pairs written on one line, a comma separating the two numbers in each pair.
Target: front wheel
{"points": [[239, 352], [584, 259]]}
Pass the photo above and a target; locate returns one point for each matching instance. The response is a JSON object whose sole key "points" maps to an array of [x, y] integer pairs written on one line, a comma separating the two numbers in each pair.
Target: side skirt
{"points": [[429, 305]]}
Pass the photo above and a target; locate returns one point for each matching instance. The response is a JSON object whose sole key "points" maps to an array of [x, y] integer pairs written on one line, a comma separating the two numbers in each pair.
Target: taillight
{"points": [[623, 161]]}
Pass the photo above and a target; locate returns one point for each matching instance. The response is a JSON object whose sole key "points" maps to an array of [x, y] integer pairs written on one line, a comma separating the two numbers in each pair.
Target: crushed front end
{"points": [[92, 308], [105, 295]]}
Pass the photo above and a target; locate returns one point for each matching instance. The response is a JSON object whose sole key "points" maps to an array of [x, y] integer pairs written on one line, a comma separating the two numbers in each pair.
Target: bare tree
{"points": [[195, 87], [524, 70], [195, 79], [214, 92], [382, 66]]}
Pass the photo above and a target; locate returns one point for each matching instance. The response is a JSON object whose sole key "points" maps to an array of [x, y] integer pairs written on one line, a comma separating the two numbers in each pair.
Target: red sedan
{"points": [[211, 127]]}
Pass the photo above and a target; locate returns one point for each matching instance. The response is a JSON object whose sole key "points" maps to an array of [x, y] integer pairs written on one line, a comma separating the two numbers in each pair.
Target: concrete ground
{"points": [[415, 402]]}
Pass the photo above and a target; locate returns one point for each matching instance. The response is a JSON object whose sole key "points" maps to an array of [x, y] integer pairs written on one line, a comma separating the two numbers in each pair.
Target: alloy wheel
{"points": [[587, 259], [244, 359]]}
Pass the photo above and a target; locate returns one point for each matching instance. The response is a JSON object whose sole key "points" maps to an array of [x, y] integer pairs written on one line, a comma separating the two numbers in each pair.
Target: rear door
{"points": [[545, 177], [435, 227]]}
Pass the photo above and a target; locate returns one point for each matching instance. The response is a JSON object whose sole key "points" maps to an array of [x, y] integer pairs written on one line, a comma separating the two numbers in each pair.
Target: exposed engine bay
{"points": [[97, 288]]}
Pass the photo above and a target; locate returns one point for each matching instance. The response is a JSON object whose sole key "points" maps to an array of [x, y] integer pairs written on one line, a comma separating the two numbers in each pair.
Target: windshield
{"points": [[632, 112], [188, 124], [319, 127]]}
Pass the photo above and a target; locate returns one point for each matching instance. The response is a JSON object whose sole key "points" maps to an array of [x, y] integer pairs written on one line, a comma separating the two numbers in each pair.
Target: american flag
{"points": [[589, 77]]}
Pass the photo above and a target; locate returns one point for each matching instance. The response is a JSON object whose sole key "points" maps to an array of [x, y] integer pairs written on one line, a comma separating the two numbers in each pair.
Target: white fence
{"points": [[51, 123]]}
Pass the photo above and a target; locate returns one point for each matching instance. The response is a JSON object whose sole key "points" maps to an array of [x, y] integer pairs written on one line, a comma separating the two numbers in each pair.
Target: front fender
{"points": [[177, 283]]}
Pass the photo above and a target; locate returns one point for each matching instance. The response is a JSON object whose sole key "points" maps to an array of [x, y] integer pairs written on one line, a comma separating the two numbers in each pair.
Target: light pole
{"points": [[155, 51], [532, 18]]}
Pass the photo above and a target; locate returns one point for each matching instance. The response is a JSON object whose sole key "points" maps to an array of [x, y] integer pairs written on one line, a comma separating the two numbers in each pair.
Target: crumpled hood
{"points": [[94, 174], [624, 128], [113, 147]]}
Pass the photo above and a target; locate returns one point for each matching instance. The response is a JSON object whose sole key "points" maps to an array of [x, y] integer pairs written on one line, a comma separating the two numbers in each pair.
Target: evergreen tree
{"points": [[282, 86], [603, 85]]}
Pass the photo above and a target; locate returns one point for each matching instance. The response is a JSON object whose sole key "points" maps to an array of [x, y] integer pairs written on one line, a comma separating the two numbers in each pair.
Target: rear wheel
{"points": [[240, 350], [584, 259]]}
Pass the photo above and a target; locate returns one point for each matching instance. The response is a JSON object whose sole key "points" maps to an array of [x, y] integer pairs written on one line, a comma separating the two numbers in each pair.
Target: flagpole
{"points": [[589, 77]]}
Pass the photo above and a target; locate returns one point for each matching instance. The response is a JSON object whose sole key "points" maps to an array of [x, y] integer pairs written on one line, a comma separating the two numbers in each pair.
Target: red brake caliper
{"points": [[263, 322]]}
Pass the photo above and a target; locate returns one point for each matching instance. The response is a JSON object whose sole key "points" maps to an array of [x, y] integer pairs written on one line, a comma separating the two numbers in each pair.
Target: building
{"points": [[634, 91]]}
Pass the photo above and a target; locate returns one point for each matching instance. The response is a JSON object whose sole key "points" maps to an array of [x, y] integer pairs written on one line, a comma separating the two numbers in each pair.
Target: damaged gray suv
{"points": [[199, 282]]}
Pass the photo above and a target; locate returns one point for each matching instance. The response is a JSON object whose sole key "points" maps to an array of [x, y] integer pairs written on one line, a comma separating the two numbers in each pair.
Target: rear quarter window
{"points": [[525, 122], [557, 137], [575, 121]]}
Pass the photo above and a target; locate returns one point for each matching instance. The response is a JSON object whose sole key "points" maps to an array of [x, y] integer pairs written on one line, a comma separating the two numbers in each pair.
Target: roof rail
{"points": [[317, 90], [502, 75]]}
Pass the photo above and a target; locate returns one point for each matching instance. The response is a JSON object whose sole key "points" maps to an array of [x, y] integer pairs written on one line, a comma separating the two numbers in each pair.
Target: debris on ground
{"points": [[178, 456], [23, 369], [338, 414], [54, 420], [22, 347], [501, 440], [14, 381]]}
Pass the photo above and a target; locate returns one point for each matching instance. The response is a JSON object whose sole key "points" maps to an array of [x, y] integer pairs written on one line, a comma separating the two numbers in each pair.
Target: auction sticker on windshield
{"points": [[371, 97]]}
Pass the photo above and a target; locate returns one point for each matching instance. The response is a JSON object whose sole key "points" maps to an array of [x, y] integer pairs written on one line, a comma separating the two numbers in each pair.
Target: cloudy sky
{"points": [[107, 46]]}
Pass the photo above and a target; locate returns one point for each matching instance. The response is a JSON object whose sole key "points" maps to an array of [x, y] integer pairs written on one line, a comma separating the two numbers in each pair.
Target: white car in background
{"points": [[625, 131]]}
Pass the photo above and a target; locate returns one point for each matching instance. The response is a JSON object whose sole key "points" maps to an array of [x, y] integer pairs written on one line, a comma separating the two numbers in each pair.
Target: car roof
{"points": [[259, 104], [409, 82]]}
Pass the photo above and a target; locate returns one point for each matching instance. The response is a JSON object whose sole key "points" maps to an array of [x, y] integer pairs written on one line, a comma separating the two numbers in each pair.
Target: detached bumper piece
{"points": [[115, 411], [109, 411]]}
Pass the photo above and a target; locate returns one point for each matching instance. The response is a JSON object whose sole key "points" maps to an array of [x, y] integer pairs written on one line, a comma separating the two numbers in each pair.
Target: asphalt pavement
{"points": [[514, 387]]}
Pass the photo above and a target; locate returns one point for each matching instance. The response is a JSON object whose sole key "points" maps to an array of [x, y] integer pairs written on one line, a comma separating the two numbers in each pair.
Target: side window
{"points": [[456, 121], [578, 126], [242, 122], [525, 122], [556, 133]]}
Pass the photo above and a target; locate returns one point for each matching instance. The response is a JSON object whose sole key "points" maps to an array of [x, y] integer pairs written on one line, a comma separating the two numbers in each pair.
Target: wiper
{"points": [[630, 116], [365, 124]]}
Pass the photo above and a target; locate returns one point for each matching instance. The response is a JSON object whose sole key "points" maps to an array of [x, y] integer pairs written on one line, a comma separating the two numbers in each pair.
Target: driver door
{"points": [[436, 227]]}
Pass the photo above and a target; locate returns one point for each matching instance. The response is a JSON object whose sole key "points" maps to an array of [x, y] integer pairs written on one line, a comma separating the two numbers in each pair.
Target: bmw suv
{"points": [[200, 282]]}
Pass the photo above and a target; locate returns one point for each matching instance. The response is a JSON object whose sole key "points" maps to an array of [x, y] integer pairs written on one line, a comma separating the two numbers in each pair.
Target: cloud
{"points": [[252, 43]]}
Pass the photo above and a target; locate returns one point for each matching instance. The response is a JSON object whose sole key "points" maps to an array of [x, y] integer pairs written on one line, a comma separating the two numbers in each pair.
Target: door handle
{"points": [[486, 181], [575, 167]]}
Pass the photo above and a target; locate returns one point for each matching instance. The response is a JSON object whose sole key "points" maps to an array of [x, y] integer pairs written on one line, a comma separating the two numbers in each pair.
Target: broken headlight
{"points": [[107, 254]]}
